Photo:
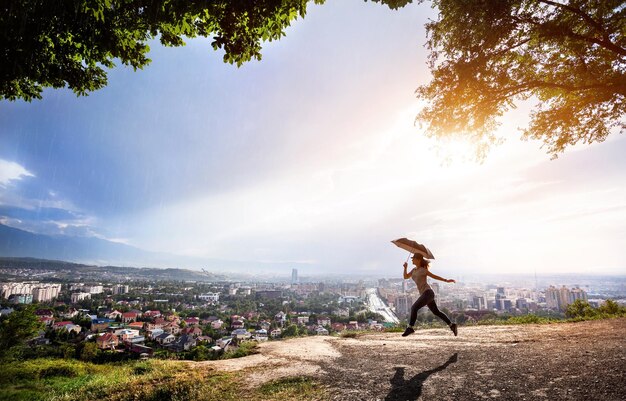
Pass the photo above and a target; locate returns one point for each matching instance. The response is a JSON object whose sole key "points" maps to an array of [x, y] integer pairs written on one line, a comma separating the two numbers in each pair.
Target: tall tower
{"points": [[294, 276]]}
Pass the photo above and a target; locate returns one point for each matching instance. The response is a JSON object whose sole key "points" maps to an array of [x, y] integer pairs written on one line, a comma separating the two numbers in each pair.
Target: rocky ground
{"points": [[568, 361]]}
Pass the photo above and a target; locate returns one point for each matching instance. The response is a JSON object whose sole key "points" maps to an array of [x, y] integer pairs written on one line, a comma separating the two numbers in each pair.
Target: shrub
{"points": [[89, 352], [244, 349], [611, 307], [201, 353], [580, 309], [291, 331]]}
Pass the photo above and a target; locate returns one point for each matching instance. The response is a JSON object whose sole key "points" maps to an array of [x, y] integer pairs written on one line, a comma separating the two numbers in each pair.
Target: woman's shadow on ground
{"points": [[411, 389]]}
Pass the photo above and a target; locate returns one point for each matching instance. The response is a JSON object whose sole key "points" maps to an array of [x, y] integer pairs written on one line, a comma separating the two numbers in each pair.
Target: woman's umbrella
{"points": [[413, 247]]}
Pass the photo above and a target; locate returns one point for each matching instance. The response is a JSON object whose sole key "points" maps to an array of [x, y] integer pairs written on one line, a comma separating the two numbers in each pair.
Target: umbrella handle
{"points": [[407, 259]]}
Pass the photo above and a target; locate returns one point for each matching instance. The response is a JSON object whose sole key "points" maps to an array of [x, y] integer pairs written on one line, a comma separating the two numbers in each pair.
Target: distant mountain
{"points": [[19, 243]]}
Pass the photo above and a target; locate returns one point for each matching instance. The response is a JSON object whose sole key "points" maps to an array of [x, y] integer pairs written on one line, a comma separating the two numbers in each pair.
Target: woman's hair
{"points": [[420, 257]]}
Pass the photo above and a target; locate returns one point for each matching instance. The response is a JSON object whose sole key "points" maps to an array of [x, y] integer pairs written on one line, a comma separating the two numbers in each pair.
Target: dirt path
{"points": [[574, 361]]}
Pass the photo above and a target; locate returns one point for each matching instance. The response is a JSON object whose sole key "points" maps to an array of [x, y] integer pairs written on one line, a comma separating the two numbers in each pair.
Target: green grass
{"points": [[351, 333], [152, 380], [291, 388], [395, 329], [66, 379]]}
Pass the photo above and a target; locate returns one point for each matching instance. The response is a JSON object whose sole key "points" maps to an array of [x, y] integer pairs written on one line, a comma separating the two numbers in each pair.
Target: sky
{"points": [[309, 159]]}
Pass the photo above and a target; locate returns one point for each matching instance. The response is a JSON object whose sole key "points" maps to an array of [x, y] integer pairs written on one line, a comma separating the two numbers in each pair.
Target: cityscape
{"points": [[172, 318]]}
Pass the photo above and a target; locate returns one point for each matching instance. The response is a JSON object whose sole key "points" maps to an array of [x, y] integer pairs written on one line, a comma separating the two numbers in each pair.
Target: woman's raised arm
{"points": [[407, 275], [436, 277]]}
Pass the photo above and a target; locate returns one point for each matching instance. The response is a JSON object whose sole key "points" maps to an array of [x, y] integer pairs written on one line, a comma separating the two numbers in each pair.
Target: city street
{"points": [[376, 305]]}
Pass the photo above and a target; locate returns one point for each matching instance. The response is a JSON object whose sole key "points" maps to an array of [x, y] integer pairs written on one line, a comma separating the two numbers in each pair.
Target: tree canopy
{"points": [[487, 54], [71, 42], [18, 327]]}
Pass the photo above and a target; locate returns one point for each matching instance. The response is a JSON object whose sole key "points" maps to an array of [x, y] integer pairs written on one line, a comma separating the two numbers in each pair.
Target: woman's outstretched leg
{"points": [[432, 305]]}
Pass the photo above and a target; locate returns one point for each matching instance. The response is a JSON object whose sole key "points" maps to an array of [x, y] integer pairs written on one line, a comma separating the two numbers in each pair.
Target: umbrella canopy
{"points": [[413, 247]]}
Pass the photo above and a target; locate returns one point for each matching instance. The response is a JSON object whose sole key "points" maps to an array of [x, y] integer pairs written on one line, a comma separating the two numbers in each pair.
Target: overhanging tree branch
{"points": [[593, 23]]}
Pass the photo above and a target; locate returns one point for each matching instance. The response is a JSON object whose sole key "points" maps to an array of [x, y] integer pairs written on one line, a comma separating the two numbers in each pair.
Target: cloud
{"points": [[32, 206], [11, 171]]}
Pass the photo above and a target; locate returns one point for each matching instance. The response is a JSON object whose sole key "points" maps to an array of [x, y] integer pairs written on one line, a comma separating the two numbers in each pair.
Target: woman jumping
{"points": [[427, 295]]}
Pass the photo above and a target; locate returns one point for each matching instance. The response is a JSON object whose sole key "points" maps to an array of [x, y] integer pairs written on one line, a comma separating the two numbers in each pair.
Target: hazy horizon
{"points": [[309, 158]]}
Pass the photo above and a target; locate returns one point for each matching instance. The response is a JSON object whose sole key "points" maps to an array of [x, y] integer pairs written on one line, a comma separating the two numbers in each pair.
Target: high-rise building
{"points": [[500, 299], [46, 292], [552, 297], [119, 289], [577, 293], [560, 298], [521, 303], [294, 276], [38, 292], [403, 305], [563, 297], [93, 289], [8, 289], [479, 302]]}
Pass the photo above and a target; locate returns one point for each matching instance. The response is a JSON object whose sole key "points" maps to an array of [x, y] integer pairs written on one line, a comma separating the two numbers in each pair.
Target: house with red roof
{"points": [[192, 331], [61, 325], [151, 314], [107, 341], [338, 326], [129, 317], [136, 325], [192, 321]]}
